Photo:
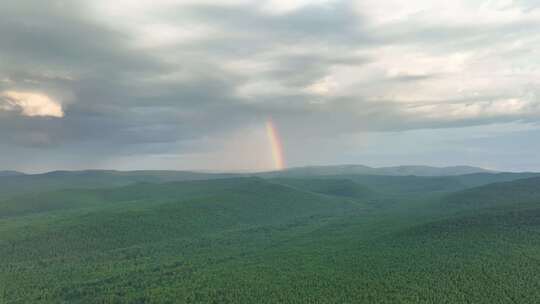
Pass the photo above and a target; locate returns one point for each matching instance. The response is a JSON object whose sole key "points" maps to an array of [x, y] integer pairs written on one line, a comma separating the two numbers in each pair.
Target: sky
{"points": [[194, 85]]}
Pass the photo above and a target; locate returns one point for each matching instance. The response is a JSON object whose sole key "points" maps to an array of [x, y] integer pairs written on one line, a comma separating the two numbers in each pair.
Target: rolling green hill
{"points": [[125, 229], [423, 184], [149, 193], [335, 187], [480, 179], [509, 194], [484, 249], [17, 184], [35, 183], [333, 239]]}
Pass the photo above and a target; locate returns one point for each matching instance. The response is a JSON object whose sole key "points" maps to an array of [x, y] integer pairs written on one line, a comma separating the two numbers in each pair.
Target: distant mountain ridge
{"points": [[174, 175], [365, 170], [10, 173], [409, 177]]}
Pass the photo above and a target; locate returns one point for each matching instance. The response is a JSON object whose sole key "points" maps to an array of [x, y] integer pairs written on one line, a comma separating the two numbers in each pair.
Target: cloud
{"points": [[512, 107], [172, 77], [30, 104], [325, 86]]}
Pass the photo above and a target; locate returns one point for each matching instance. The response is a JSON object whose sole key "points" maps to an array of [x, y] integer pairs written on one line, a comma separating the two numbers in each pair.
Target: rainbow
{"points": [[275, 143]]}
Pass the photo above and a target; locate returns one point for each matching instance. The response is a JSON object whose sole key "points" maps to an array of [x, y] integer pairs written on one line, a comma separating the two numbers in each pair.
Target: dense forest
{"points": [[165, 237]]}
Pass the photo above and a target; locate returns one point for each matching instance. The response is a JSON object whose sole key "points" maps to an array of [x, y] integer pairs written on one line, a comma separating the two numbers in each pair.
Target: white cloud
{"points": [[154, 35], [253, 89], [443, 12], [325, 86], [287, 6], [503, 107], [30, 104]]}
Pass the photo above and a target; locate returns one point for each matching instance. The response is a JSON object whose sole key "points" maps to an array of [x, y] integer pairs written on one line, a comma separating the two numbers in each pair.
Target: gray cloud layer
{"points": [[178, 78]]}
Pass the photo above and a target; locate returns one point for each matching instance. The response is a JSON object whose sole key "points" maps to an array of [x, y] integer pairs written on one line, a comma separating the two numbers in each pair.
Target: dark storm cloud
{"points": [[112, 101], [114, 93]]}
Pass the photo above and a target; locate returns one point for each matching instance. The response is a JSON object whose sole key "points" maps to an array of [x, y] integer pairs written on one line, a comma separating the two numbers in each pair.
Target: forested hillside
{"points": [[505, 194], [340, 239], [35, 183]]}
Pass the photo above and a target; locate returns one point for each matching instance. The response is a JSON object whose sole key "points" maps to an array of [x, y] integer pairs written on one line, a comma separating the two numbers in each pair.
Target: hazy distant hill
{"points": [[171, 192], [499, 194], [428, 184], [395, 179], [365, 170], [56, 180], [10, 173], [431, 171], [480, 179]]}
